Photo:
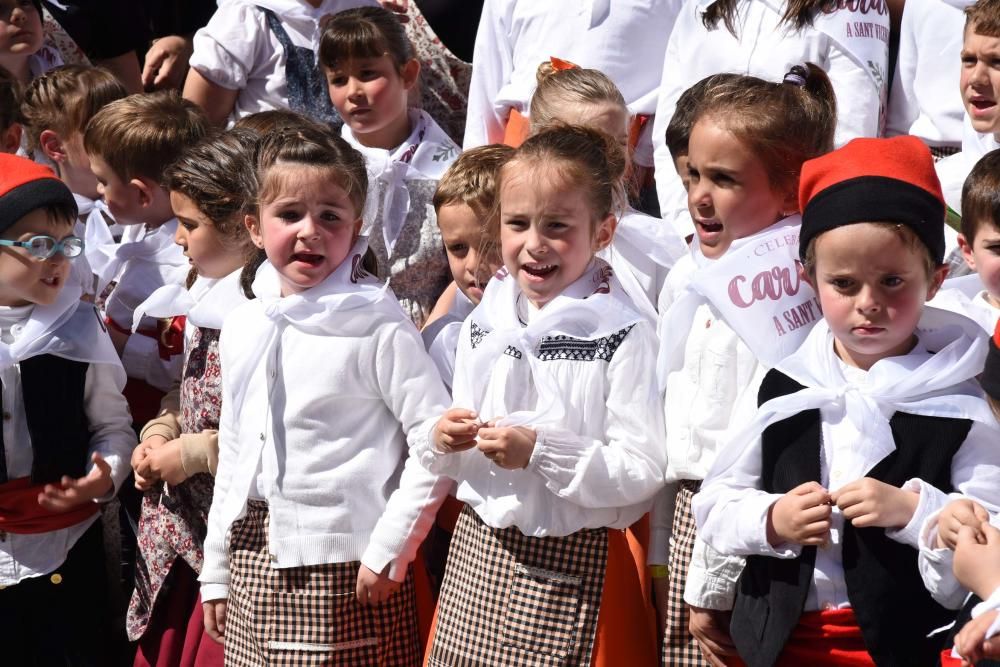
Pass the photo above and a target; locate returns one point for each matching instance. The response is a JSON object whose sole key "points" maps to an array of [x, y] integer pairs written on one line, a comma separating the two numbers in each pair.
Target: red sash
{"points": [[828, 638], [20, 512]]}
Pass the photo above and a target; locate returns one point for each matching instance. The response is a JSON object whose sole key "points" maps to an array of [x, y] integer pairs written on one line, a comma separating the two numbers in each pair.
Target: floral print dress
{"points": [[174, 518]]}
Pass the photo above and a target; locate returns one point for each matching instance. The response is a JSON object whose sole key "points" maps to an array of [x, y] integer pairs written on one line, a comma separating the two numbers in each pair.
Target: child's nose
{"points": [[867, 301]]}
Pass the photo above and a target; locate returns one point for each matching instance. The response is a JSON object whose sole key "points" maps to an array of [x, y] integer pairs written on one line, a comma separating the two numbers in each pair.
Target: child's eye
{"points": [[331, 216], [457, 248], [842, 284], [514, 223], [187, 225], [892, 281], [338, 80]]}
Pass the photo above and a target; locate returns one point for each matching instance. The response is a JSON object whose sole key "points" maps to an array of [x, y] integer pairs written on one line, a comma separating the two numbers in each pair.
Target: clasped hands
{"points": [[509, 447], [803, 515]]}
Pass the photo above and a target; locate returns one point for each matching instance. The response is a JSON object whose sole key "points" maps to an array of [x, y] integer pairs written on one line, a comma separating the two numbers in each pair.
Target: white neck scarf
{"points": [[106, 257], [755, 287], [67, 328], [349, 302], [426, 154], [937, 380], [594, 306], [206, 304]]}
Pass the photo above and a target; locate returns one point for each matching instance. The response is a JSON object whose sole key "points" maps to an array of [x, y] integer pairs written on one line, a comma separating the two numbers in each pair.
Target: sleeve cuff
{"points": [[376, 559], [753, 520], [211, 592], [930, 501]]}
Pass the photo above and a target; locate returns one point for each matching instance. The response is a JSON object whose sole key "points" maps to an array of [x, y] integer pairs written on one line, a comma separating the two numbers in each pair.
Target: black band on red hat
{"points": [[25, 198], [875, 199]]}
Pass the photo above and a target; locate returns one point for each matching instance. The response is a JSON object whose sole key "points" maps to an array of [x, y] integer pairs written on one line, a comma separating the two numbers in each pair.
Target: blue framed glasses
{"points": [[44, 247]]}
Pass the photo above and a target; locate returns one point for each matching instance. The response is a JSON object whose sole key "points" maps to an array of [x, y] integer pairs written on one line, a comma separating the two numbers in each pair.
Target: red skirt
{"points": [[826, 639]]}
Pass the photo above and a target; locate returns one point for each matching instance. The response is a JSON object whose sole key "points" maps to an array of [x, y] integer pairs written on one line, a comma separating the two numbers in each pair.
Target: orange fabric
{"points": [[517, 129], [826, 639], [426, 605], [638, 543], [21, 514], [558, 64], [624, 635]]}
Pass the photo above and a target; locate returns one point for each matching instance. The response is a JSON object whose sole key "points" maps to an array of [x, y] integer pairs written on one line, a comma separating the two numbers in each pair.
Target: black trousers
{"points": [[61, 618]]}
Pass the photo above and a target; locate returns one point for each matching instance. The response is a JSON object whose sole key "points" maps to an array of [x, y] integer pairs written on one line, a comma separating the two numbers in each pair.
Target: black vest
{"points": [[52, 389], [888, 597]]}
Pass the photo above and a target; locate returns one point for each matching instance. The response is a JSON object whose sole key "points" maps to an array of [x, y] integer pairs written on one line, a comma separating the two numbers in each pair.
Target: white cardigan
{"points": [[764, 50], [336, 421]]}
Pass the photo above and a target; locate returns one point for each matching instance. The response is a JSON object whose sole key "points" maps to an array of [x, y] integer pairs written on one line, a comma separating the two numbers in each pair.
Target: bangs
{"points": [[286, 177], [359, 41]]}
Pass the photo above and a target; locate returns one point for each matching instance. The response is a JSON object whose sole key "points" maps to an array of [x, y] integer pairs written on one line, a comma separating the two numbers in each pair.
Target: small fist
{"points": [[456, 431], [801, 516], [509, 447]]}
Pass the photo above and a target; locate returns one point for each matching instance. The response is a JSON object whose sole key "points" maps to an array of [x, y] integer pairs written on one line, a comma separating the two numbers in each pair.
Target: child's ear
{"points": [[410, 73], [357, 227], [253, 226], [52, 145], [10, 139], [145, 189], [790, 205], [805, 277], [937, 278], [605, 232], [966, 248]]}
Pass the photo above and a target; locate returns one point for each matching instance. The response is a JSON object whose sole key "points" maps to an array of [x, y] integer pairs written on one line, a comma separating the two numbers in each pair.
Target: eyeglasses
{"points": [[44, 247]]}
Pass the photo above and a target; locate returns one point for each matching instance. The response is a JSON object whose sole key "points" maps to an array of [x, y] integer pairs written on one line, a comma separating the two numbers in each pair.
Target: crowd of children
{"points": [[685, 371]]}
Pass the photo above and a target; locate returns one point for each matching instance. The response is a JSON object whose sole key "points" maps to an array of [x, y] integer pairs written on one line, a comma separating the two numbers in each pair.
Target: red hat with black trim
{"points": [[873, 180], [990, 379], [26, 186]]}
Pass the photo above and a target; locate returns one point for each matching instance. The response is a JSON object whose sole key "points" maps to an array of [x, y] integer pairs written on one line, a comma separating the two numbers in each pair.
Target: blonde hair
{"points": [[577, 85], [472, 179], [141, 135], [65, 99]]}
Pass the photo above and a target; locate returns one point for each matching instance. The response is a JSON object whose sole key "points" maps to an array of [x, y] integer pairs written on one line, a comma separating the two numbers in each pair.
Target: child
{"points": [[466, 206], [980, 89], [370, 68], [980, 237], [57, 107], [643, 248], [66, 432], [562, 361], [209, 189], [260, 55], [129, 143], [11, 120], [747, 145], [20, 53], [765, 38], [830, 528], [318, 511]]}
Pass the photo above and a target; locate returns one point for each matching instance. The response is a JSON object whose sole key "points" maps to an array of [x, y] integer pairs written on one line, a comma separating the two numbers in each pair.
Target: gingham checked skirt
{"points": [[309, 616], [509, 600], [680, 649]]}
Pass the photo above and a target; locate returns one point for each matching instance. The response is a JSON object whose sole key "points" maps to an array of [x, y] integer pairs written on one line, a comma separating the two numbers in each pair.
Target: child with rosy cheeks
{"points": [[325, 388], [371, 68], [980, 236], [178, 455], [21, 36], [793, 491], [555, 441]]}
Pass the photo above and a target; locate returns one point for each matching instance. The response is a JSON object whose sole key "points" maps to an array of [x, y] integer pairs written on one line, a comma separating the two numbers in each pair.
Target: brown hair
{"points": [[679, 128], [783, 124], [586, 158], [557, 88], [141, 135], [981, 196], [217, 175], [263, 123], [363, 32], [984, 18], [317, 147], [903, 232], [798, 13], [10, 100], [65, 99], [472, 179]]}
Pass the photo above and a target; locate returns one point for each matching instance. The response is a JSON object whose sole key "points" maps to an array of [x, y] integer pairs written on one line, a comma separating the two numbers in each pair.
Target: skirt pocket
{"points": [[321, 628], [542, 612]]}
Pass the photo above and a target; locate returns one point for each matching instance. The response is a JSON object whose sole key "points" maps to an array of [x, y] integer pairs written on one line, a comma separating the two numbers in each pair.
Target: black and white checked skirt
{"points": [[680, 648], [309, 616], [515, 601]]}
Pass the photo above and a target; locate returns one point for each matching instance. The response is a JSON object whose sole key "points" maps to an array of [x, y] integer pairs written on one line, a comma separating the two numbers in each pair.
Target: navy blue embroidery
{"points": [[565, 347]]}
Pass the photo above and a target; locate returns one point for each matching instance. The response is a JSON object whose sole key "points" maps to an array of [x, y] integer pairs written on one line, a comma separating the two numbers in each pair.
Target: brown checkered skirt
{"points": [[680, 649], [309, 616], [515, 601]]}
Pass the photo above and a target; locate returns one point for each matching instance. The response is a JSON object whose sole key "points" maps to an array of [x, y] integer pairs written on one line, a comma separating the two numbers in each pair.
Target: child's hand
{"points": [[456, 431], [711, 628], [801, 516], [509, 447], [215, 619], [139, 454], [162, 462], [868, 502], [70, 493], [375, 588], [971, 642], [977, 564], [958, 513]]}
